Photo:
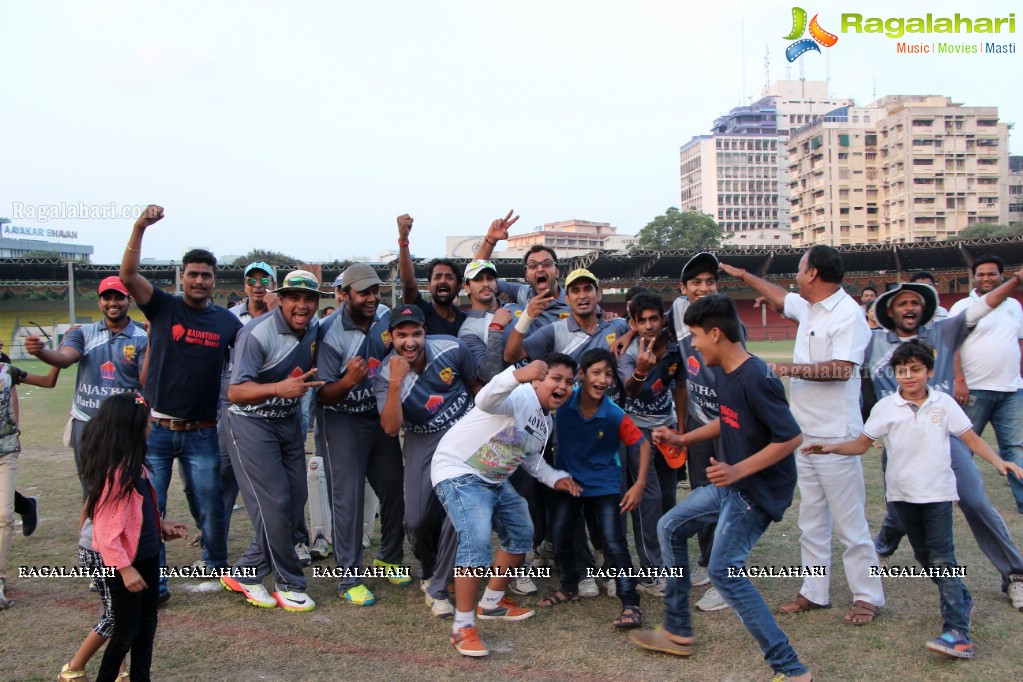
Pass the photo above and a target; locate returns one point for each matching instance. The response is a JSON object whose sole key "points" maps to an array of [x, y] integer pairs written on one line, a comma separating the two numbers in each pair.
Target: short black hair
{"points": [[631, 293], [597, 355], [718, 311], [444, 261], [200, 256], [554, 358], [646, 300], [828, 263], [914, 349], [988, 258], [922, 275], [868, 288], [540, 247]]}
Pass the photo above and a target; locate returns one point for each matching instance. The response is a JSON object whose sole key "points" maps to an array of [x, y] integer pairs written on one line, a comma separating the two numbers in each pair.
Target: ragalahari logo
{"points": [[817, 35]]}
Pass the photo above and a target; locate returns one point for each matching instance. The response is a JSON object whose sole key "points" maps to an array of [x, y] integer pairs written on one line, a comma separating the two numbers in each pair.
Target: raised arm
{"points": [[392, 416], [772, 293], [497, 231], [62, 358], [513, 348], [406, 269], [138, 286]]}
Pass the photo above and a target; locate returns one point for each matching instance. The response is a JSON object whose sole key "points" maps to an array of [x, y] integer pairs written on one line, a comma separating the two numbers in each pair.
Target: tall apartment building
{"points": [[903, 169], [567, 237], [738, 173], [1015, 189]]}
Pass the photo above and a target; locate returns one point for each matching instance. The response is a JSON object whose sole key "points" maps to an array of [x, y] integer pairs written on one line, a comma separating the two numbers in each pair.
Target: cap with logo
{"points": [[580, 273], [359, 277], [925, 291], [406, 313], [701, 262], [112, 283], [473, 269], [299, 280], [260, 265]]}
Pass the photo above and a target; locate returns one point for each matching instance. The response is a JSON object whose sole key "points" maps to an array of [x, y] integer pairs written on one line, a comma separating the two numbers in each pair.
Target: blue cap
{"points": [[260, 265]]}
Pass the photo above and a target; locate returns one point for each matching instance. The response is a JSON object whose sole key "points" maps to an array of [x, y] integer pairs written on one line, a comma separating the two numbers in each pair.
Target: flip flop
{"points": [[657, 640], [800, 604], [861, 613]]}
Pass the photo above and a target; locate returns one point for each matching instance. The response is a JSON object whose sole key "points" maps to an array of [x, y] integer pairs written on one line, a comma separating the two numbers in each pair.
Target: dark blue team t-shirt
{"points": [[435, 324], [188, 348], [149, 536], [755, 413]]}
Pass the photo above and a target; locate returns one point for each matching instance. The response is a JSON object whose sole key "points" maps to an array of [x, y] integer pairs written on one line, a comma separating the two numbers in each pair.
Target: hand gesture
{"points": [[271, 300], [296, 386], [631, 499], [173, 529], [498, 229], [502, 316], [721, 474], [534, 371], [647, 358], [663, 434], [150, 215], [404, 226], [815, 449], [34, 345], [731, 270], [539, 303], [567, 485], [357, 370], [399, 369], [133, 582]]}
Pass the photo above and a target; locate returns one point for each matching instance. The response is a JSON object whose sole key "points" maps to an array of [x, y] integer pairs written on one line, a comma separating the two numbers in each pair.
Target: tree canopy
{"points": [[988, 230], [680, 230], [274, 258]]}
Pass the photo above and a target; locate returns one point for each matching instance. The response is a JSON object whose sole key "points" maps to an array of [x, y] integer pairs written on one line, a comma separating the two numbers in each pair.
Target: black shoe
{"points": [[30, 518], [162, 600]]}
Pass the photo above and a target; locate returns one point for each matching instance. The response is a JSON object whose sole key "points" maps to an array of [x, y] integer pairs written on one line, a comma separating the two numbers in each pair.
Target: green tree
{"points": [[274, 258], [988, 230], [680, 230]]}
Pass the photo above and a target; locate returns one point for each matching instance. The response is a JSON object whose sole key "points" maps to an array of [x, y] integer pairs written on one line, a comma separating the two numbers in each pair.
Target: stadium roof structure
{"points": [[619, 269]]}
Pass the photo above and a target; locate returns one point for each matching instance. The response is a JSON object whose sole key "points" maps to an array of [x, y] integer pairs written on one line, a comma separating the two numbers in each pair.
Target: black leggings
{"points": [[134, 624]]}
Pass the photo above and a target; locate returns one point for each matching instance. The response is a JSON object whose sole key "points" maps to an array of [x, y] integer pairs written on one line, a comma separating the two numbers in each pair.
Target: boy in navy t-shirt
{"points": [[752, 486]]}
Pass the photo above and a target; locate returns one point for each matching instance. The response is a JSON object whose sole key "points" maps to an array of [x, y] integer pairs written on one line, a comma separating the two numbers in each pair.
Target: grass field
{"points": [[206, 633]]}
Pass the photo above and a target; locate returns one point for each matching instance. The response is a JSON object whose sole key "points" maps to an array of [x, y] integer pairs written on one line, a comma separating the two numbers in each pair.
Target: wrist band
{"points": [[128, 246], [522, 326], [402, 242], [489, 242], [495, 327], [636, 377]]}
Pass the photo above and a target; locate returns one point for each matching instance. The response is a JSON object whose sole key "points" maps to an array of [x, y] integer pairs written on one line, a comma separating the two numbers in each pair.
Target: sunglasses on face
{"points": [[260, 281], [533, 265]]}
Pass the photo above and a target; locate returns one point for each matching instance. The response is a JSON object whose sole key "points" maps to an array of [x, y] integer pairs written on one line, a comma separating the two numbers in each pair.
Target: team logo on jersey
{"points": [[434, 404], [938, 416], [177, 331], [106, 371], [563, 316], [128, 352], [312, 349], [385, 336], [671, 369], [600, 434], [374, 366], [693, 365], [447, 375], [610, 338], [518, 313], [657, 388]]}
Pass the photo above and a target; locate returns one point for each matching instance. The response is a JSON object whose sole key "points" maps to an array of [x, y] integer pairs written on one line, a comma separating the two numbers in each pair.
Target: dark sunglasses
{"points": [[262, 281]]}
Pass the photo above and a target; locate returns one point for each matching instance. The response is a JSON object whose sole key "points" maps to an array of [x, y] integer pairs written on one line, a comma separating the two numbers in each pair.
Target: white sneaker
{"points": [[294, 601], [699, 577], [655, 587], [611, 586], [1015, 591], [199, 569], [320, 549], [588, 588], [254, 594], [712, 601], [5, 603], [365, 540], [523, 585], [302, 550], [440, 608], [424, 585]]}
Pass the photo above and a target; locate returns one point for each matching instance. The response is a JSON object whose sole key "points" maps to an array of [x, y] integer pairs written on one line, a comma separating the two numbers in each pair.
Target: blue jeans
{"points": [[199, 457], [474, 507], [929, 529], [1005, 412], [740, 523], [565, 515]]}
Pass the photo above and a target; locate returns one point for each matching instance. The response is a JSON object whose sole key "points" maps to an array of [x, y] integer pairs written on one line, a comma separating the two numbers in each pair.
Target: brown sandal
{"points": [[557, 599], [631, 617], [800, 604], [861, 613]]}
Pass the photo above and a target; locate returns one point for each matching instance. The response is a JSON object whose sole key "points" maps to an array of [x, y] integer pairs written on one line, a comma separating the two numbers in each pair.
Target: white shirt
{"points": [[832, 329], [917, 440], [990, 354], [506, 428]]}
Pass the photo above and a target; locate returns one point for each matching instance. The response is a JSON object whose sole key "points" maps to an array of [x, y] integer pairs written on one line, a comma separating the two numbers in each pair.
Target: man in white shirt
{"points": [[992, 363], [824, 392]]}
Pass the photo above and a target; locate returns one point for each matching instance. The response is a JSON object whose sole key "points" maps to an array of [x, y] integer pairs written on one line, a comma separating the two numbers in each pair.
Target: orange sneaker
{"points": [[506, 609], [468, 643]]}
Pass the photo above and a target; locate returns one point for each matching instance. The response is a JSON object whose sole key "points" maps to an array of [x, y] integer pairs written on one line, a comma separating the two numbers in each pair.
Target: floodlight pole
{"points": [[70, 292]]}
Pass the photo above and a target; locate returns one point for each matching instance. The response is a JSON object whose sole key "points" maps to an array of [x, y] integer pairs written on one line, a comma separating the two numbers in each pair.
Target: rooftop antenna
{"points": [[767, 66]]}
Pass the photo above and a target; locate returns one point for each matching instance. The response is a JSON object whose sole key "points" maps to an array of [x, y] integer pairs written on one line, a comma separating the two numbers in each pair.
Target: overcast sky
{"points": [[307, 127]]}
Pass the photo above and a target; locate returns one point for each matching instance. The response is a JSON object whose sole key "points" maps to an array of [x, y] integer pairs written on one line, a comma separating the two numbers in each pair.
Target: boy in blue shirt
{"points": [[752, 486]]}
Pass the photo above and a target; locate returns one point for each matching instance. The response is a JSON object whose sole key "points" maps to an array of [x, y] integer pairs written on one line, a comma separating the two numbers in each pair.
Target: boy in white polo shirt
{"points": [[915, 424]]}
